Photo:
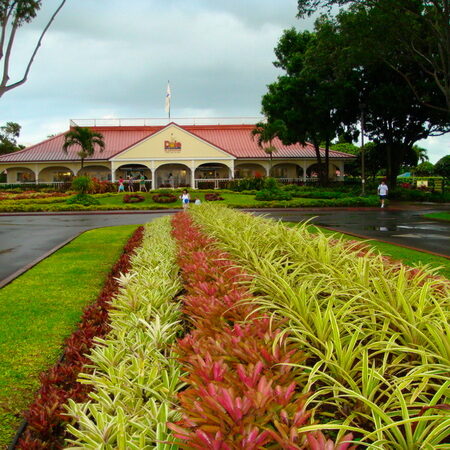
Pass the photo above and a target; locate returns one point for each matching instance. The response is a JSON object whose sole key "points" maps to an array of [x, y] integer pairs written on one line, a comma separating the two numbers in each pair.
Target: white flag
{"points": [[168, 95]]}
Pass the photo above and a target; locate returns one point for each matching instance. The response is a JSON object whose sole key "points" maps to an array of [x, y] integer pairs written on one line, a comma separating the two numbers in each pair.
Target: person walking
{"points": [[382, 192], [142, 186], [130, 183], [185, 199], [121, 186]]}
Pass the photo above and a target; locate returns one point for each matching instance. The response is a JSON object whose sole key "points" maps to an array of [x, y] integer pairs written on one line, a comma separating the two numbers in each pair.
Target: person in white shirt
{"points": [[382, 192], [185, 199]]}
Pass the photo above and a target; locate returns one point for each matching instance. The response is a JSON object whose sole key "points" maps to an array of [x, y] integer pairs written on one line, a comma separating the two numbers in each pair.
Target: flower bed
{"points": [[374, 332], [241, 390], [213, 197], [45, 418], [132, 372], [31, 195], [164, 198], [133, 198]]}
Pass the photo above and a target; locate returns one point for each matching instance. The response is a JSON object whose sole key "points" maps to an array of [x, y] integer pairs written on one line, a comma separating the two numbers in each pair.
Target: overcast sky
{"points": [[111, 58]]}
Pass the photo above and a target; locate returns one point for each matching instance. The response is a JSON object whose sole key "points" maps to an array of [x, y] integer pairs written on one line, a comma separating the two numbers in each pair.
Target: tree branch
{"points": [[4, 88]]}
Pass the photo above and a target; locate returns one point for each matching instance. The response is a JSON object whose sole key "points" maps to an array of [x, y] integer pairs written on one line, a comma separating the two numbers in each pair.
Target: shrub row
{"points": [[132, 373], [241, 390], [46, 417], [375, 333]]}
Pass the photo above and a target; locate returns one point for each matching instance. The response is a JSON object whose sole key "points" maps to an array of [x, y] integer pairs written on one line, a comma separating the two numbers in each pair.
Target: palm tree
{"points": [[266, 133], [84, 138], [421, 153]]}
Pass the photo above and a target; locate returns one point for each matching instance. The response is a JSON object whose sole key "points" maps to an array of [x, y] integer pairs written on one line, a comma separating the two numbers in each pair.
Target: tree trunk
{"points": [[319, 162], [327, 162]]}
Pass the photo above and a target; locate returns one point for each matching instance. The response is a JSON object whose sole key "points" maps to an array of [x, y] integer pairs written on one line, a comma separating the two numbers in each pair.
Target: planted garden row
{"points": [[132, 372], [375, 334], [241, 390], [46, 417]]}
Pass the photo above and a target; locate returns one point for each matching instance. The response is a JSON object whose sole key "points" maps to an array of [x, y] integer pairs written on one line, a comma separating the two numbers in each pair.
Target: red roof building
{"points": [[168, 154]]}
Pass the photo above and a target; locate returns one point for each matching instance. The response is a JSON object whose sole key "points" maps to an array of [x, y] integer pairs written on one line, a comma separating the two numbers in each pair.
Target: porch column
{"points": [[304, 167], [113, 173], [193, 174], [340, 165], [153, 185], [232, 170], [36, 174]]}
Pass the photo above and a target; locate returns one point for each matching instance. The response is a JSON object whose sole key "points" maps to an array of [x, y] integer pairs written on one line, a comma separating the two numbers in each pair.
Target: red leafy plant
{"points": [[241, 392], [46, 417], [133, 198]]}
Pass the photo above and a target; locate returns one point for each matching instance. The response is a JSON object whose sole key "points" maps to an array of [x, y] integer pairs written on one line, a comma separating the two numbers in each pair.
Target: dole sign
{"points": [[172, 145]]}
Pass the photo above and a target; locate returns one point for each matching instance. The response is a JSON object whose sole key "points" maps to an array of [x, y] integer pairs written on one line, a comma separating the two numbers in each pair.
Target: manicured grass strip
{"points": [[133, 374], [438, 216], [40, 309], [405, 255]]}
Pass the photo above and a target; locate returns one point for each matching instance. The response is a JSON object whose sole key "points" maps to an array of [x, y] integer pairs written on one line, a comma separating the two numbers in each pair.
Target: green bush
{"points": [[82, 184], [247, 184], [83, 199], [272, 191], [269, 195]]}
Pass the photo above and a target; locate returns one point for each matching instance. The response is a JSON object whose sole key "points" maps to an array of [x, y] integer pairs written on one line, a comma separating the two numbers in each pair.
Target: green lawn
{"points": [[405, 255], [438, 216], [41, 308], [234, 199]]}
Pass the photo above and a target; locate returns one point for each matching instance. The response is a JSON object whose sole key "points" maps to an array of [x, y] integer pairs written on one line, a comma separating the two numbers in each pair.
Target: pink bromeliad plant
{"points": [[241, 392]]}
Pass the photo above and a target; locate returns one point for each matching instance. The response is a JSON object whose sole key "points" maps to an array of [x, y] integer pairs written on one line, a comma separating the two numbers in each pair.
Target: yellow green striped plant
{"points": [[376, 333], [135, 378]]}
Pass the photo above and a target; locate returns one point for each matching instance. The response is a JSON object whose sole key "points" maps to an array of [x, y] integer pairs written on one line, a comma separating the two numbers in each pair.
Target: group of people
{"points": [[129, 182]]}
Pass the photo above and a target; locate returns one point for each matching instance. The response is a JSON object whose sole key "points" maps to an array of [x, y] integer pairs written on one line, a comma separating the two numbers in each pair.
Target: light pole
{"points": [[363, 169]]}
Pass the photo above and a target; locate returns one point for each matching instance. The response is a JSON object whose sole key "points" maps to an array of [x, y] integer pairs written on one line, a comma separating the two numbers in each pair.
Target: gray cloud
{"points": [[110, 58]]}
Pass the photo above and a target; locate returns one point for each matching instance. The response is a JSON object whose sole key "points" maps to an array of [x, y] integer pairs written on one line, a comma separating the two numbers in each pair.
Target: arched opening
{"points": [[132, 174], [287, 171], [249, 170], [56, 174], [172, 176], [101, 173], [20, 175], [313, 171], [211, 171], [134, 171]]}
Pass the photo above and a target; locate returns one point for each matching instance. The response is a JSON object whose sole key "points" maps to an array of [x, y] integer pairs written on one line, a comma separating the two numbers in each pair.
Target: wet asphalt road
{"points": [[406, 228], [25, 238]]}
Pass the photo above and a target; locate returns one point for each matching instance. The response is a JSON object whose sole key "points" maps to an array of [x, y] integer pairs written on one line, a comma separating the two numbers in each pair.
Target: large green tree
{"points": [[8, 138], [85, 139], [13, 15], [415, 38], [314, 102]]}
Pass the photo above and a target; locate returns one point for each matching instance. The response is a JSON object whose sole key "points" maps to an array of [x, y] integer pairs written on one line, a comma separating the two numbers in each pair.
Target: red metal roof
{"points": [[234, 139]]}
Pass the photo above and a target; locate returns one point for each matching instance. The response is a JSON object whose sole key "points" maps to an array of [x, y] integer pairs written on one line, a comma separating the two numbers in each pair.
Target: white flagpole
{"points": [[168, 97]]}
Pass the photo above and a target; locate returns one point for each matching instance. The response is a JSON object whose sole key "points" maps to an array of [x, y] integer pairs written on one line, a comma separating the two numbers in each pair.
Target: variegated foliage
{"points": [[376, 333], [135, 376]]}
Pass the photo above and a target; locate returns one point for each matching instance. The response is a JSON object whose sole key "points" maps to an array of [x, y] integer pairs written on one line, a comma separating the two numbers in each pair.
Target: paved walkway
{"points": [[25, 237]]}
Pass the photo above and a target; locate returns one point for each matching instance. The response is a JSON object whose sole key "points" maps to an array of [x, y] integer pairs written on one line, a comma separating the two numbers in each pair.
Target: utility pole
{"points": [[363, 169]]}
